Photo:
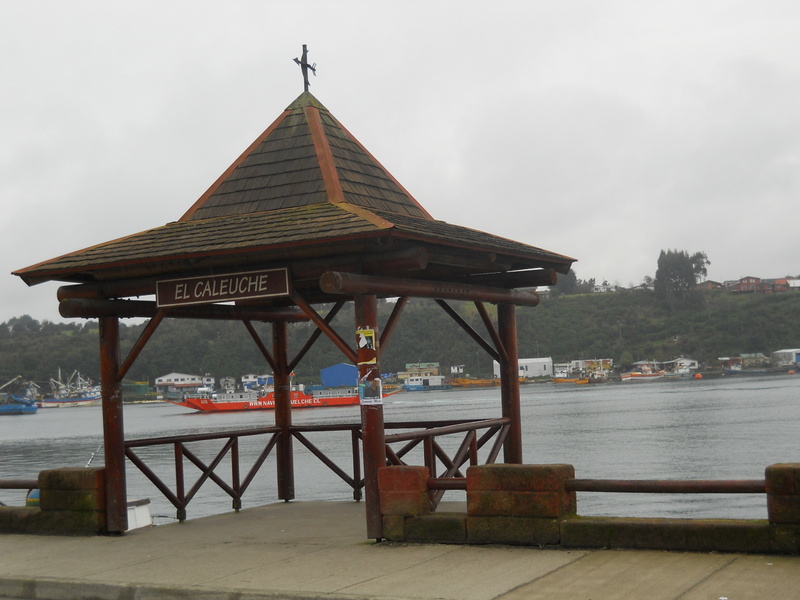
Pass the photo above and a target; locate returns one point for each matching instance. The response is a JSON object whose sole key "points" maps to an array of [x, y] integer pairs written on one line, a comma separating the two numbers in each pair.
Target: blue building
{"points": [[339, 375]]}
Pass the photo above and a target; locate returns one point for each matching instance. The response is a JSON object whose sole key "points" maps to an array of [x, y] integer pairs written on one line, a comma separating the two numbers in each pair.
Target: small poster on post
{"points": [[367, 355], [371, 392]]}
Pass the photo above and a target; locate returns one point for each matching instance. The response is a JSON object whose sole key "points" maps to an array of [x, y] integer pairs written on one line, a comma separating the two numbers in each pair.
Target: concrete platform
{"points": [[303, 550]]}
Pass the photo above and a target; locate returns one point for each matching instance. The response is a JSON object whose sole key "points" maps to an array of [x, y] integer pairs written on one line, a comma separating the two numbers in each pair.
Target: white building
{"points": [[786, 358], [530, 367], [175, 385], [252, 382]]}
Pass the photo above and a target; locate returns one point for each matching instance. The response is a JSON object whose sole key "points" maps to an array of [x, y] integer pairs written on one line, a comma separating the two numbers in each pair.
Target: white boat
{"points": [[644, 370], [77, 391]]}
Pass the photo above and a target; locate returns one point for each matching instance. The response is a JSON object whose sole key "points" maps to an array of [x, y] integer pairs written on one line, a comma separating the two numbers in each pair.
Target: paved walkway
{"points": [[303, 550]]}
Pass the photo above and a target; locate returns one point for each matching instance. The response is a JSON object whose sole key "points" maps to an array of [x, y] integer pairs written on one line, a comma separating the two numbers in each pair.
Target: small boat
{"points": [[576, 380], [470, 382], [205, 401], [744, 364], [428, 383], [644, 370]]}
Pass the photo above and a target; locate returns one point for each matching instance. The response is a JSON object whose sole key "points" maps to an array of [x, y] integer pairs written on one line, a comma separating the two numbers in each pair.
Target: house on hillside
{"points": [[709, 285], [748, 284], [755, 285]]}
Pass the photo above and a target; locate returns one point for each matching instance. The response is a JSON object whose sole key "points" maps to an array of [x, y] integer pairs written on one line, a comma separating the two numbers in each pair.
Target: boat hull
{"points": [[244, 401], [426, 388], [464, 382], [642, 376], [68, 402], [12, 404], [18, 409]]}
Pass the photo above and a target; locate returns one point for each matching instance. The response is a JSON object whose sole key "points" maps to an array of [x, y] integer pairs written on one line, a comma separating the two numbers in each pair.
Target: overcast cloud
{"points": [[606, 131]]}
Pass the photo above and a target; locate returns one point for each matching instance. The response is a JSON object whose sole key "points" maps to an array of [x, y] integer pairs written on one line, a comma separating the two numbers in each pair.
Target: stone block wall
{"points": [[518, 504], [529, 505], [783, 505], [71, 502]]}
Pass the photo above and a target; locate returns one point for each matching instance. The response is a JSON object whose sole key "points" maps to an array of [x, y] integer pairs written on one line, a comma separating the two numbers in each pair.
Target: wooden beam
{"points": [[144, 337], [469, 329], [89, 308], [324, 326], [261, 347], [314, 336], [391, 323], [113, 430], [414, 258], [335, 282], [515, 279]]}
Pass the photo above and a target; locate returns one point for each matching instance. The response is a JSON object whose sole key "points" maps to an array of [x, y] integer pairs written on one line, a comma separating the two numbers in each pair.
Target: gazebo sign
{"points": [[222, 288]]}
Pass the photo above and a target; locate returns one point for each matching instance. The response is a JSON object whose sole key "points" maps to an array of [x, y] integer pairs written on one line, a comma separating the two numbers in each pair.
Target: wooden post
{"points": [[372, 425], [509, 385], [113, 431], [283, 411]]}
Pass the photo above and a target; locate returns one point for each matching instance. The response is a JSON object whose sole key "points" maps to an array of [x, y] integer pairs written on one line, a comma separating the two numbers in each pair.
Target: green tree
{"points": [[570, 284], [676, 277]]}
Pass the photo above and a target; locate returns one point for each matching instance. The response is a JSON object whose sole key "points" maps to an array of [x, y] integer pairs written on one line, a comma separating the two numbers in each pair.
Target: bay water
{"points": [[722, 428]]}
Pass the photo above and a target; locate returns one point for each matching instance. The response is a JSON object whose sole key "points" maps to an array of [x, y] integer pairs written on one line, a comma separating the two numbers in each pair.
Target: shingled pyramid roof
{"points": [[305, 189], [305, 157]]}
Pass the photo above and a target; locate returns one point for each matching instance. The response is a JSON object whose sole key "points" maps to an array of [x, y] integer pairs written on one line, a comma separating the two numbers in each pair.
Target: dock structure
{"points": [[302, 223]]}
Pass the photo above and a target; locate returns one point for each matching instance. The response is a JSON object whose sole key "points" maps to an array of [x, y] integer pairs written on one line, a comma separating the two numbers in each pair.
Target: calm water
{"points": [[685, 429]]}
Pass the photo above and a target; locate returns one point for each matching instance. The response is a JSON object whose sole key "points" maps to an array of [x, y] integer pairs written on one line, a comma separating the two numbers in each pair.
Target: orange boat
{"points": [[473, 382], [578, 380], [251, 400]]}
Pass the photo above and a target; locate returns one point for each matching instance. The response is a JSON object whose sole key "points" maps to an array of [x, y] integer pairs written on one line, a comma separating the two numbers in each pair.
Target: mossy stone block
{"points": [[522, 531], [72, 479], [438, 528], [785, 539], [394, 528], [519, 477], [783, 479]]}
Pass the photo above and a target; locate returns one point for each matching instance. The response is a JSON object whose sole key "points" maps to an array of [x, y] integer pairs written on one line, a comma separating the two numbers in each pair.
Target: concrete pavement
{"points": [[303, 550]]}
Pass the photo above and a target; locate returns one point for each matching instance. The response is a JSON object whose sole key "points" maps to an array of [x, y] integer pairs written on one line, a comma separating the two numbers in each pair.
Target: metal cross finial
{"points": [[303, 62]]}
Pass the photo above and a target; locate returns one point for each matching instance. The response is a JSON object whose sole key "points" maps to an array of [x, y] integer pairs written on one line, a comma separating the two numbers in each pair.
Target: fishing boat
{"points": [[206, 401], [644, 370], [16, 404], [744, 364], [77, 391], [428, 383], [12, 404]]}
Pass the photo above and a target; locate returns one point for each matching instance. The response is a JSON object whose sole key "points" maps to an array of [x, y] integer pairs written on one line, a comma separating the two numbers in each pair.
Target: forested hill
{"points": [[626, 326]]}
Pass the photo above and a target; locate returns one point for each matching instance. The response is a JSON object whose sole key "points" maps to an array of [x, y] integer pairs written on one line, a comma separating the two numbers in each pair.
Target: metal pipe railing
{"points": [[19, 484], [660, 486]]}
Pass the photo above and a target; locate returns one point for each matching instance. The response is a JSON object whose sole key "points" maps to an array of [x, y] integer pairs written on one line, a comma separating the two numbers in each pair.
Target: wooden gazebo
{"points": [[305, 216]]}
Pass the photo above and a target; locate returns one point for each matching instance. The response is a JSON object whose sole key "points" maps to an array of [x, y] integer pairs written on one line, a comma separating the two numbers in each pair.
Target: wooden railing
{"points": [[422, 432]]}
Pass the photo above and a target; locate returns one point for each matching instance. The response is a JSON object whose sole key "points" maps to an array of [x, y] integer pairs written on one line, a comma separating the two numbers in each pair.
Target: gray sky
{"points": [[606, 131]]}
